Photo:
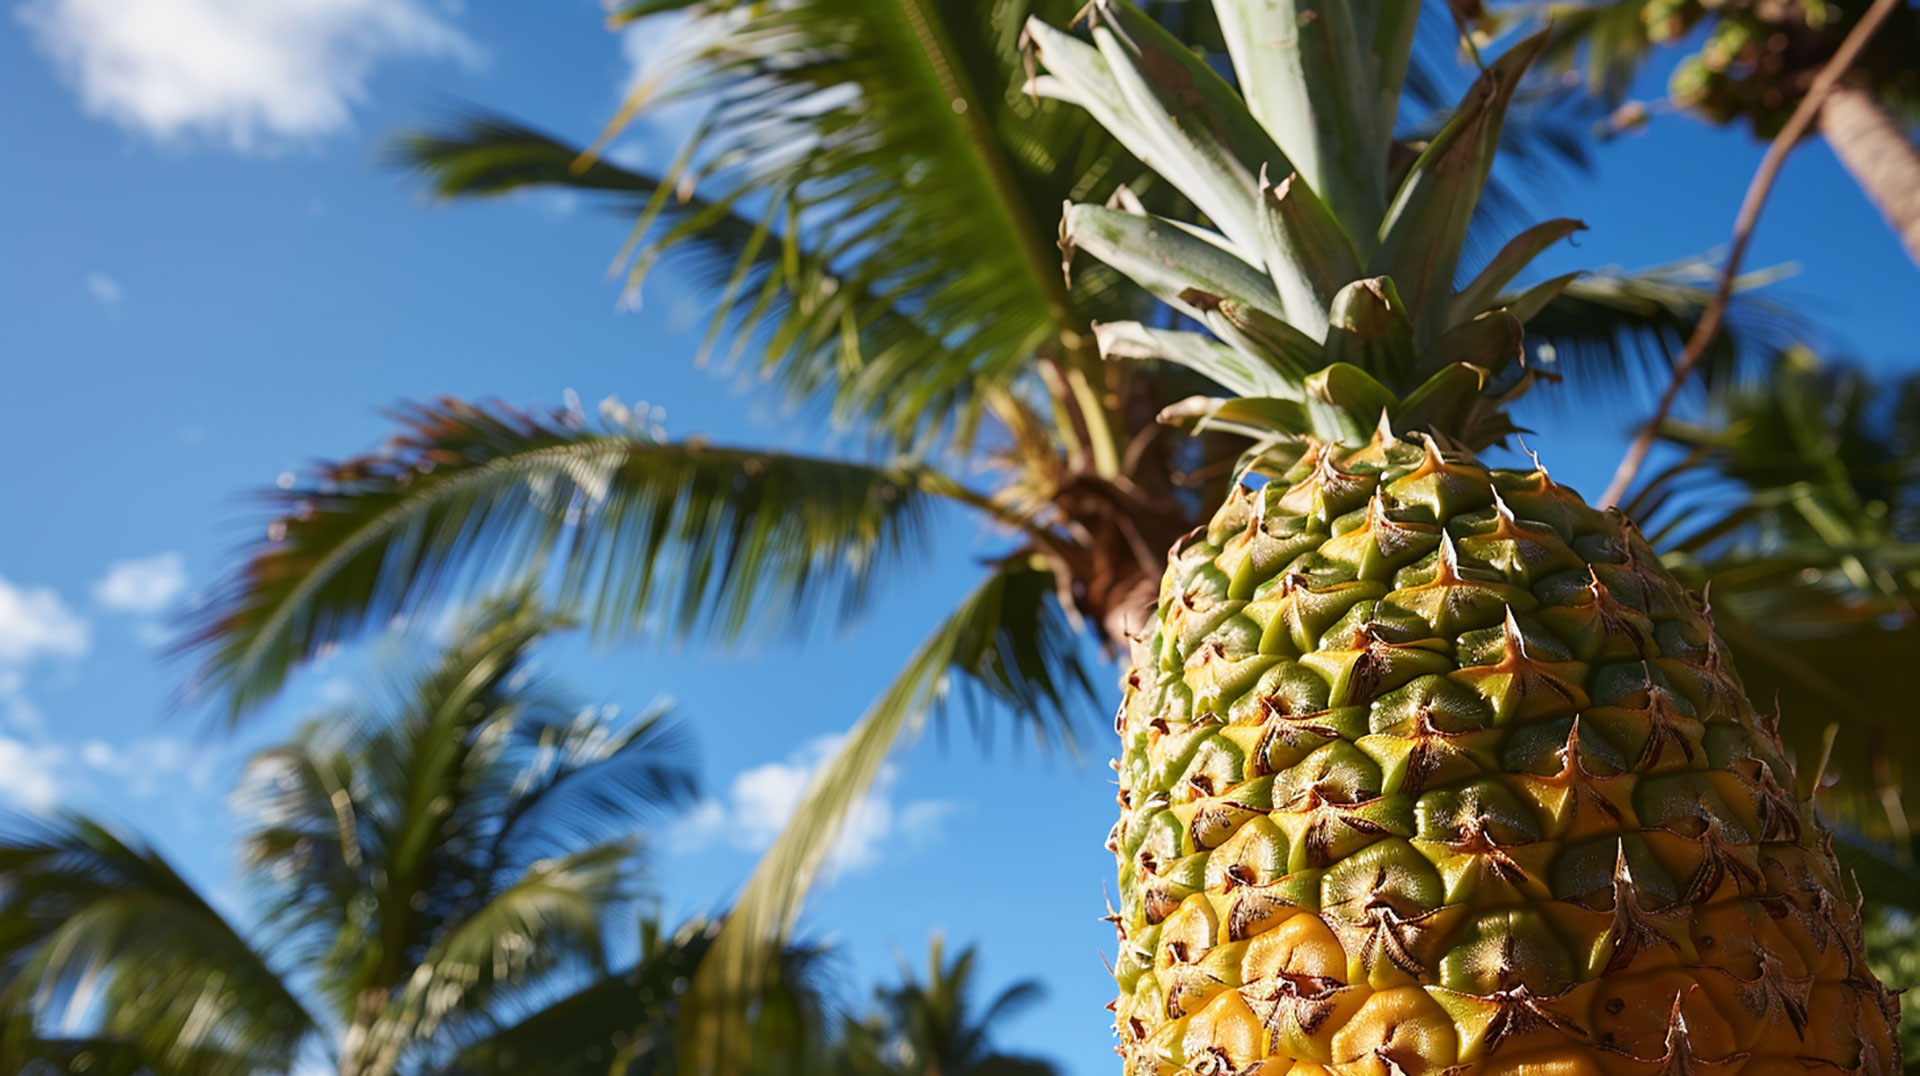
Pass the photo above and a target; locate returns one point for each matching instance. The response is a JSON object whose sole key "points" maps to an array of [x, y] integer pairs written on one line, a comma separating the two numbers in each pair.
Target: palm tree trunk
{"points": [[1875, 149]]}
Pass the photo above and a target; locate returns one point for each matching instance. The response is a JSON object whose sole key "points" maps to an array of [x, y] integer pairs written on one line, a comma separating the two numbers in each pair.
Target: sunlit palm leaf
{"points": [[584, 775], [1613, 329], [872, 190], [653, 537], [1010, 640], [83, 910], [550, 916], [423, 851]]}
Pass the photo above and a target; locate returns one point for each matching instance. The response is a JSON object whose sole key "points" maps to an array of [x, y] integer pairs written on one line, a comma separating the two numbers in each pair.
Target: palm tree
{"points": [[1756, 60], [870, 195], [931, 1028], [425, 860], [623, 1023]]}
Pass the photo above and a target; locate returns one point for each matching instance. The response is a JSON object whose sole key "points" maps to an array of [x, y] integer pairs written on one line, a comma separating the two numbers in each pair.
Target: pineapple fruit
{"points": [[1426, 767]]}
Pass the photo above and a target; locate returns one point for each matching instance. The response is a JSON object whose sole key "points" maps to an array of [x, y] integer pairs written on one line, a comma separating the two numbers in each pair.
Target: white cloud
{"points": [[27, 777], [106, 289], [19, 712], [245, 72], [144, 585], [35, 623], [762, 799], [145, 766]]}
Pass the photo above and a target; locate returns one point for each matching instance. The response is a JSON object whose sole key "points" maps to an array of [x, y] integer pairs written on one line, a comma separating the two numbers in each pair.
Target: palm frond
{"points": [[549, 918], [1009, 640], [870, 195], [584, 778], [103, 936], [652, 537], [1797, 502], [1617, 329], [625, 1023]]}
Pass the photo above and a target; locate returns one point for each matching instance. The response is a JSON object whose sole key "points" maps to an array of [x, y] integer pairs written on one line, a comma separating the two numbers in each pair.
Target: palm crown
{"points": [[425, 860]]}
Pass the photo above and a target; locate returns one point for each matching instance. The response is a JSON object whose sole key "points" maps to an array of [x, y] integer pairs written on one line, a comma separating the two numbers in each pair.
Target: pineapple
{"points": [[1426, 767]]}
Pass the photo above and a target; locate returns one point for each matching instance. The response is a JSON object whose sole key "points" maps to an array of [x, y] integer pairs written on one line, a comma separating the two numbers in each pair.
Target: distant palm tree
{"points": [[425, 860], [624, 1023], [931, 1027]]}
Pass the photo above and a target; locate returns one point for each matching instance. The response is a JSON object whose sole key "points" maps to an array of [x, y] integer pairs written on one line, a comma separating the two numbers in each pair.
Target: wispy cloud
{"points": [[36, 623], [106, 290], [761, 800], [150, 764], [246, 73], [142, 585], [28, 774]]}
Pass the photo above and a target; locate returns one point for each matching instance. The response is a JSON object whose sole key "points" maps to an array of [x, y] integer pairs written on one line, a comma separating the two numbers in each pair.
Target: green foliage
{"points": [[650, 536], [931, 1028], [1751, 62], [422, 859], [1893, 951], [92, 919], [1796, 501]]}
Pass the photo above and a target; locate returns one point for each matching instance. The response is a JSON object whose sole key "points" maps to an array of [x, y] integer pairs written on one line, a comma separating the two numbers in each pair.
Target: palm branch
{"points": [[108, 952], [443, 850], [624, 1022], [1796, 500]]}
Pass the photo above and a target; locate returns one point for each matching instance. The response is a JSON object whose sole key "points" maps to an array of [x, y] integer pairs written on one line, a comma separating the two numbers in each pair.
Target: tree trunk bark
{"points": [[1876, 150]]}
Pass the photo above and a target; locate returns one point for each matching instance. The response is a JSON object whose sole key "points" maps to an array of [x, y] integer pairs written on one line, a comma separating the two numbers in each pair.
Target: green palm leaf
{"points": [[624, 1024], [654, 537], [1798, 501], [870, 194], [87, 916], [1012, 642]]}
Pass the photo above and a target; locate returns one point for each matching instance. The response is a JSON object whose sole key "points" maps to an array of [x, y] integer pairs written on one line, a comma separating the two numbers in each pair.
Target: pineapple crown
{"points": [[1326, 270]]}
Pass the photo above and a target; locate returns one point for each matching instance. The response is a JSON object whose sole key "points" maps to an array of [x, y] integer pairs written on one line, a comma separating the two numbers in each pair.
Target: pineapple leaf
{"points": [[1253, 417], [1307, 252], [1444, 403], [1172, 260], [1226, 366], [1484, 290], [1344, 403], [1324, 78], [1427, 222], [1012, 642], [1489, 341], [663, 538], [1214, 147], [1530, 302], [1368, 328]]}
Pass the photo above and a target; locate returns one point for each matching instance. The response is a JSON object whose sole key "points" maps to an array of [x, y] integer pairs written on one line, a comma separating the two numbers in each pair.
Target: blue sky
{"points": [[210, 280]]}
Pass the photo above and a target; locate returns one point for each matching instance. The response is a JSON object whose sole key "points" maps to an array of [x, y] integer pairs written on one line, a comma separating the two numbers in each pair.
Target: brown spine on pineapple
{"points": [[1429, 768]]}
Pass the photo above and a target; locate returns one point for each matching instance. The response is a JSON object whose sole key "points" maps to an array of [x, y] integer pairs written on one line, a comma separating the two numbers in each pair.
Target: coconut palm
{"points": [[423, 859], [1754, 61], [932, 1028]]}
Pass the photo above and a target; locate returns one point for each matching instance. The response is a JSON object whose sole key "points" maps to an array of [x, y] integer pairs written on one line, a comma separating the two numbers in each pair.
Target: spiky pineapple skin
{"points": [[1427, 767]]}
